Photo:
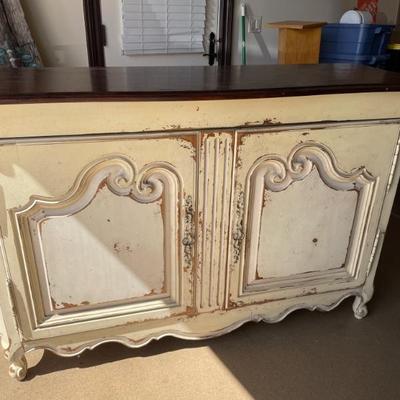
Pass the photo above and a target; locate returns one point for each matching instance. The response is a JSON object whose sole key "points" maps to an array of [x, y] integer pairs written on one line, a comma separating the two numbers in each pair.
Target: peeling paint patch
{"points": [[151, 293], [172, 126], [102, 186], [188, 142], [192, 139], [68, 305], [63, 305], [265, 122], [119, 248], [191, 311], [271, 121], [241, 138]]}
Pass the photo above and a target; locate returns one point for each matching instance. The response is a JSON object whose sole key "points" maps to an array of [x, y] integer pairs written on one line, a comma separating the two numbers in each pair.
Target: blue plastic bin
{"points": [[373, 61], [355, 43]]}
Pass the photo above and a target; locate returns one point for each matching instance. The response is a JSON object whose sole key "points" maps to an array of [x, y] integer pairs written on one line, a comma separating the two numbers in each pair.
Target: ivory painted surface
{"points": [[314, 202], [121, 117], [133, 237]]}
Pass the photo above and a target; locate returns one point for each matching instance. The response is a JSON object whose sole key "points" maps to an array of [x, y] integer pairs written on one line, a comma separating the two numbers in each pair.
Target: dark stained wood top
{"points": [[190, 83]]}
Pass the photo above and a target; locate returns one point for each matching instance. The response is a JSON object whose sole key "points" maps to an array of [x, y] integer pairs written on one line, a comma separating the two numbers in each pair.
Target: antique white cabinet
{"points": [[129, 214]]}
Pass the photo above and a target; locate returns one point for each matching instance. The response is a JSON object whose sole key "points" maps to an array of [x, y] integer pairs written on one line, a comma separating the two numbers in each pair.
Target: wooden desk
{"points": [[138, 203]]}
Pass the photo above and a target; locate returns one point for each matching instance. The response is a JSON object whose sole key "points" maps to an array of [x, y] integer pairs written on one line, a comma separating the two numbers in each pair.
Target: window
{"points": [[164, 26]]}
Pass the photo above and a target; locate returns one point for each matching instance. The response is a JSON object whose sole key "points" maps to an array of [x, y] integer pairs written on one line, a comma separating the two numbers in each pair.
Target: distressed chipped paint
{"points": [[95, 117], [200, 216]]}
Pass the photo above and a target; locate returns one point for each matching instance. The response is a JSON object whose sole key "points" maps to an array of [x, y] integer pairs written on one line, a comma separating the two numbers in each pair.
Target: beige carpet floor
{"points": [[308, 356]]}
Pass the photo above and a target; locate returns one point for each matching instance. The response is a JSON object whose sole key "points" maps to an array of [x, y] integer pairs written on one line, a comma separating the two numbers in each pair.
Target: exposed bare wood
{"points": [[187, 233]]}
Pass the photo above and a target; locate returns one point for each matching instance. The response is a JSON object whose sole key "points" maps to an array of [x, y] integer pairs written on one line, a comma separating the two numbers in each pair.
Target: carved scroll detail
{"points": [[189, 236], [238, 234], [278, 173], [120, 176]]}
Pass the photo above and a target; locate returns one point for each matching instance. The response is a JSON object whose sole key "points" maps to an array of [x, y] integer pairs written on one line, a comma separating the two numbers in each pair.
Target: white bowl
{"points": [[356, 17]]}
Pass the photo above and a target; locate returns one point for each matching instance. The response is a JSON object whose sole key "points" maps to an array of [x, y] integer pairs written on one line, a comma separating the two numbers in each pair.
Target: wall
{"points": [[59, 31], [262, 47], [58, 28], [398, 14], [388, 11]]}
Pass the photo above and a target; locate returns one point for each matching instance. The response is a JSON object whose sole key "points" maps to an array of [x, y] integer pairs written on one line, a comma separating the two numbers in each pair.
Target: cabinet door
{"points": [[306, 209], [102, 229]]}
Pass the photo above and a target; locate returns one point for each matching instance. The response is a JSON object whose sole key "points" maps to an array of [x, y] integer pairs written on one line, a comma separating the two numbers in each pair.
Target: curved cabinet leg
{"points": [[360, 303], [18, 366], [360, 307]]}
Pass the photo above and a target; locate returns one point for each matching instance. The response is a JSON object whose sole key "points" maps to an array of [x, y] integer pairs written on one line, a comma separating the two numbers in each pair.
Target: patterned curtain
{"points": [[17, 48]]}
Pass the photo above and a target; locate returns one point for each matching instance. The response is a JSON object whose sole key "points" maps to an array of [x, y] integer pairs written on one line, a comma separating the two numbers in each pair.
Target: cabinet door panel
{"points": [[305, 228], [307, 207], [102, 234], [110, 259]]}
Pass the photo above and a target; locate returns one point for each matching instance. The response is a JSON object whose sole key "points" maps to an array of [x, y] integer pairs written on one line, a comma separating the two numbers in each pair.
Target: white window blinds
{"points": [[163, 26]]}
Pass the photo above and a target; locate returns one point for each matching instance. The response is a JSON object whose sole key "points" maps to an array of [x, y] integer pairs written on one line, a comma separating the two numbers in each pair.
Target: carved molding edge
{"points": [[121, 176], [394, 164], [276, 317], [276, 173]]}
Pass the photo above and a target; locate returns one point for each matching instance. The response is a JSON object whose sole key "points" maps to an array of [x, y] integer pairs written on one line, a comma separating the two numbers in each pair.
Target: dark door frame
{"points": [[95, 33], [95, 38], [225, 33]]}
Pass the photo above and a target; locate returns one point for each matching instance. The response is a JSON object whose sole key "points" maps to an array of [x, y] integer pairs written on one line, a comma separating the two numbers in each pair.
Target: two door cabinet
{"points": [[126, 218]]}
